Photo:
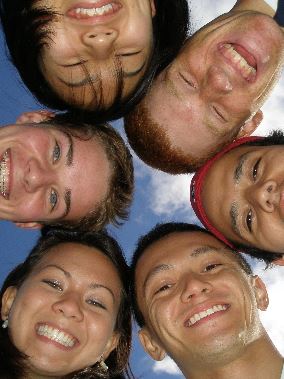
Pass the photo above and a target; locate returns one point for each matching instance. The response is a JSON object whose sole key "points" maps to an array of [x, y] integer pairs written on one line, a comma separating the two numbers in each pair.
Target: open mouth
{"points": [[85, 11], [206, 313], [5, 164], [243, 61], [54, 334]]}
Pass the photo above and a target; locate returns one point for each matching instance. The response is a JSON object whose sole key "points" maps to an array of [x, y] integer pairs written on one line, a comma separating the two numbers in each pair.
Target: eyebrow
{"points": [[97, 285], [66, 273], [238, 173]]}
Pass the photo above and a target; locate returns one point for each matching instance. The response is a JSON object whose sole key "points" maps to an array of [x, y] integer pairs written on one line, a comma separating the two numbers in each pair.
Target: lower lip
{"points": [[71, 13], [208, 318]]}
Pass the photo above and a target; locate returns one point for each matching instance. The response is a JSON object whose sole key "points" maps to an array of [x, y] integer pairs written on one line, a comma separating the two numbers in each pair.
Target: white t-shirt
{"points": [[282, 375]]}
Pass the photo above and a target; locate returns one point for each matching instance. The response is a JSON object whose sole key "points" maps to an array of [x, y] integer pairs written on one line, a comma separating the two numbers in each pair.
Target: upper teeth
{"points": [[4, 174], [56, 335], [231, 53], [198, 316], [94, 11]]}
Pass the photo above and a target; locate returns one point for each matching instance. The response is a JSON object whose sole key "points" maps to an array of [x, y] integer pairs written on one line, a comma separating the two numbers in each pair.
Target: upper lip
{"points": [[71, 12], [202, 308]]}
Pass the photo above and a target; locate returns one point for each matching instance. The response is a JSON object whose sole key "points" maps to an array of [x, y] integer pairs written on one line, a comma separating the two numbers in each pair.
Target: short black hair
{"points": [[13, 362], [27, 30], [157, 233], [274, 138]]}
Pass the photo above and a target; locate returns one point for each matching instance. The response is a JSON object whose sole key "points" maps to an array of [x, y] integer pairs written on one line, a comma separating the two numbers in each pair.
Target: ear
{"points": [[260, 293], [250, 125], [279, 261], [7, 301], [150, 345], [28, 225], [34, 117], [153, 8], [111, 345]]}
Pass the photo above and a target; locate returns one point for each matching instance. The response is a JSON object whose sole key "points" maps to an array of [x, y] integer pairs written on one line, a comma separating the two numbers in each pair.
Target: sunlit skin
{"points": [[186, 273], [44, 175], [83, 60], [248, 207], [75, 289], [207, 92]]}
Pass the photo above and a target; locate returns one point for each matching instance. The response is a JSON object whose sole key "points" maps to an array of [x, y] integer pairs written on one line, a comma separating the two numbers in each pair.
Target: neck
{"points": [[259, 360]]}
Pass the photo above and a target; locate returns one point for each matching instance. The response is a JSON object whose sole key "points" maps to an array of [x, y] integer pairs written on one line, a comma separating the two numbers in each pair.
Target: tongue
{"points": [[246, 55]]}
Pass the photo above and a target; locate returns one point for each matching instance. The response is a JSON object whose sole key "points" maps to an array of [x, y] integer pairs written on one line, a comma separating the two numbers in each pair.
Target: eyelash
{"points": [[54, 284], [165, 287], [212, 266], [249, 218], [190, 82], [218, 114], [56, 154], [96, 303], [255, 169], [53, 199]]}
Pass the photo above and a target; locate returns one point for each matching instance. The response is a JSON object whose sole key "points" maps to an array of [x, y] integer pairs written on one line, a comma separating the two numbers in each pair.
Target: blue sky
{"points": [[159, 198]]}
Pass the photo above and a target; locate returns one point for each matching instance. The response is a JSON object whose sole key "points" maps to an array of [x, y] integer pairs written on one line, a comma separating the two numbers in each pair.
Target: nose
{"points": [[194, 285], [217, 81], [101, 42], [266, 195], [36, 176], [69, 306]]}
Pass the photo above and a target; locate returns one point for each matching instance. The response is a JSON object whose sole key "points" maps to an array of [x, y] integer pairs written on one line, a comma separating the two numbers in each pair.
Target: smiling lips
{"points": [[56, 335], [240, 59], [85, 11], [203, 314], [5, 174]]}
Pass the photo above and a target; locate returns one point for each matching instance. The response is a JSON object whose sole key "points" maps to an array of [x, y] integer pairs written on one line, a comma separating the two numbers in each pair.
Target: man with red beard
{"points": [[197, 300], [212, 91]]}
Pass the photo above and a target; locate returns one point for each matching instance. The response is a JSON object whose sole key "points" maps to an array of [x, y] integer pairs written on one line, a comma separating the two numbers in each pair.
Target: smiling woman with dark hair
{"points": [[100, 56], [65, 310]]}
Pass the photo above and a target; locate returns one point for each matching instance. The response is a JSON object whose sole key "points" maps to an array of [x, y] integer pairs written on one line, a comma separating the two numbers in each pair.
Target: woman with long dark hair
{"points": [[100, 56], [65, 311]]}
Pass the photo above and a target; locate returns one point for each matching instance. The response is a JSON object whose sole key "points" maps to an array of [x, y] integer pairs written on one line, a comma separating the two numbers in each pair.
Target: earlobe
{"points": [[251, 124], [260, 293], [7, 301], [153, 8], [150, 345], [28, 225], [111, 345], [279, 261]]}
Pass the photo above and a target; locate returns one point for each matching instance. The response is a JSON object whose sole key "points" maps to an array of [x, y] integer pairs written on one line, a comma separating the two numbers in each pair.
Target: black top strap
{"points": [[279, 15]]}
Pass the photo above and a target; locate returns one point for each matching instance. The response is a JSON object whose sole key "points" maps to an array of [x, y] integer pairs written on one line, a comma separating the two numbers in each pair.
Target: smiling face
{"points": [[92, 41], [252, 196], [63, 316], [198, 304], [219, 80], [42, 176]]}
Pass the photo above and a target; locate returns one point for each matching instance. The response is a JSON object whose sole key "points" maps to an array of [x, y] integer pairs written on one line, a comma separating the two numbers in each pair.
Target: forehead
{"points": [[78, 258], [180, 245]]}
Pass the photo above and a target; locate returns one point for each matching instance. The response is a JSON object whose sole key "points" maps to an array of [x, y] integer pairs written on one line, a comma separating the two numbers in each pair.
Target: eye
{"points": [[56, 154], [53, 199], [218, 113], [164, 288], [188, 80], [249, 220], [255, 169], [54, 284], [96, 303], [212, 266]]}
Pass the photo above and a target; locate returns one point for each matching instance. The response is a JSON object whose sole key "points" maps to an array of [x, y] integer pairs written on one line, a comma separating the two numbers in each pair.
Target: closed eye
{"points": [[188, 80], [218, 113], [54, 284]]}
